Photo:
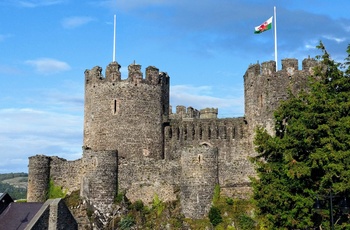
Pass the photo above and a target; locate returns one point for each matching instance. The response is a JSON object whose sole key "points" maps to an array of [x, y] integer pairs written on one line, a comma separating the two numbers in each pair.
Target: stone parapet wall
{"points": [[218, 132], [66, 174]]}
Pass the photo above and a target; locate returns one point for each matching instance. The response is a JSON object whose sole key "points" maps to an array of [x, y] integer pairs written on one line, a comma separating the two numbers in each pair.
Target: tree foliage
{"points": [[309, 155]]}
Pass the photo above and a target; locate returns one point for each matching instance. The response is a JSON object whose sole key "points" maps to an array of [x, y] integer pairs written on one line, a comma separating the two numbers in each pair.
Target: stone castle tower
{"points": [[126, 115], [135, 144]]}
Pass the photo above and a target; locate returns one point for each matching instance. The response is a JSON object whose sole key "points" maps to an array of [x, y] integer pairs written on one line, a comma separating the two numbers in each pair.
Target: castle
{"points": [[134, 143]]}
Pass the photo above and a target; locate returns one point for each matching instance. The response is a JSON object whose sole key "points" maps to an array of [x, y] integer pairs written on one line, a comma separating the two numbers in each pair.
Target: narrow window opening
{"points": [[199, 158], [115, 106]]}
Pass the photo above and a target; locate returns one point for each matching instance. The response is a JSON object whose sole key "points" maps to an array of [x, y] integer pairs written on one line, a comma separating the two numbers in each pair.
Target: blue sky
{"points": [[204, 45]]}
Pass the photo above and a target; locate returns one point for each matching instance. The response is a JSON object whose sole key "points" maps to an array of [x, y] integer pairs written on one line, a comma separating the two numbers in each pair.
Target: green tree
{"points": [[309, 155]]}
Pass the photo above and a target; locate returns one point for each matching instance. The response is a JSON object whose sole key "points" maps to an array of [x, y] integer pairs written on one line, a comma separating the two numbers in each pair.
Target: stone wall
{"points": [[54, 214], [144, 178], [99, 180], [60, 216], [229, 135], [199, 175], [66, 174]]}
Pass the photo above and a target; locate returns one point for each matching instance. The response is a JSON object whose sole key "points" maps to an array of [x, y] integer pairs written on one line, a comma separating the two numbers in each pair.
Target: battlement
{"points": [[209, 113], [205, 130], [191, 113], [112, 74], [288, 64]]}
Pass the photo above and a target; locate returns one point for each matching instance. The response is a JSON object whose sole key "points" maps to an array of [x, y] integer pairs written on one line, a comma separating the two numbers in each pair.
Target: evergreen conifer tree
{"points": [[309, 155]]}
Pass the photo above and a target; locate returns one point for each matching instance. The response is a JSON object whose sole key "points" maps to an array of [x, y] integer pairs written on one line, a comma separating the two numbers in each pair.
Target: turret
{"points": [[126, 115], [209, 113], [264, 88], [38, 178]]}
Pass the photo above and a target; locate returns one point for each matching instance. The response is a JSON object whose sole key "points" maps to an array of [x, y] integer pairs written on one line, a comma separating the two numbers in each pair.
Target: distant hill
{"points": [[14, 184]]}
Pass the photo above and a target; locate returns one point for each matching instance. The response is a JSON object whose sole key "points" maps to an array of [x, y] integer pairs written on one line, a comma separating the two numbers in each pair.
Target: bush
{"points": [[215, 216], [138, 205], [55, 191], [158, 205], [127, 222], [246, 222], [229, 201], [119, 197]]}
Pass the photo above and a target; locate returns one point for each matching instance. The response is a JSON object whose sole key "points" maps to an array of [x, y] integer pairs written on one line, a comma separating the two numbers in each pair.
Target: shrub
{"points": [[246, 222], [127, 222], [215, 216], [229, 201], [119, 197], [55, 191], [158, 205], [138, 205]]}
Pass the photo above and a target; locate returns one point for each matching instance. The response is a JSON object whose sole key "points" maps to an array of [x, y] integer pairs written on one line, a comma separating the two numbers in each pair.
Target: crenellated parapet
{"points": [[190, 113], [135, 75], [184, 113], [209, 113], [113, 72]]}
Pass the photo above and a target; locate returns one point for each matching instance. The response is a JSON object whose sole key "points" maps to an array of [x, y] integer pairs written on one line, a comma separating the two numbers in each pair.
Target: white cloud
{"points": [[311, 45], [131, 4], [73, 22], [38, 3], [334, 38], [48, 65], [26, 132]]}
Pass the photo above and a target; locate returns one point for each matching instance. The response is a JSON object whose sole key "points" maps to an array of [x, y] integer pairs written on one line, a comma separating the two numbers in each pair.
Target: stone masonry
{"points": [[134, 143]]}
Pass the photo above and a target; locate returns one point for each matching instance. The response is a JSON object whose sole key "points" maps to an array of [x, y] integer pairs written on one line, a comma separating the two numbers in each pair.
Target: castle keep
{"points": [[133, 142]]}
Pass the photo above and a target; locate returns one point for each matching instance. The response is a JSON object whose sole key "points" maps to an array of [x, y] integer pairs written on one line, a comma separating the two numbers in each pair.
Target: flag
{"points": [[263, 27]]}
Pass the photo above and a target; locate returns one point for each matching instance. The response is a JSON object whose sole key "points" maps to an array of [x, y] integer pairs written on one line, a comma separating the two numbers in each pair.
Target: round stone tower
{"points": [[264, 89], [38, 178], [126, 115]]}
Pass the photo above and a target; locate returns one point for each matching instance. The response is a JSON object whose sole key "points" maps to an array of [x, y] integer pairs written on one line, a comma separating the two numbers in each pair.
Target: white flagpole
{"points": [[114, 33], [275, 29]]}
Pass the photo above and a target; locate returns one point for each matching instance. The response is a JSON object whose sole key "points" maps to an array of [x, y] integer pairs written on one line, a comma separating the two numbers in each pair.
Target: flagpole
{"points": [[275, 32], [114, 36]]}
